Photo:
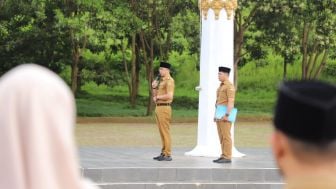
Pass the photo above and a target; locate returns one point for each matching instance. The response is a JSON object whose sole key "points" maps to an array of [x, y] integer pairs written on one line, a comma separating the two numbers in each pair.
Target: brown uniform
{"points": [[313, 182], [163, 113], [225, 91]]}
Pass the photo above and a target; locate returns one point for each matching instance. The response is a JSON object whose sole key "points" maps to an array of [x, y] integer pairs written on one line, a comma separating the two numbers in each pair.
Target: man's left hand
{"points": [[225, 118]]}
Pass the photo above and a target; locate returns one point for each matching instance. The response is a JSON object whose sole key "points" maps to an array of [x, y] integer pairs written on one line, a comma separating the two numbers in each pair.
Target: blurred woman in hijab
{"points": [[37, 118]]}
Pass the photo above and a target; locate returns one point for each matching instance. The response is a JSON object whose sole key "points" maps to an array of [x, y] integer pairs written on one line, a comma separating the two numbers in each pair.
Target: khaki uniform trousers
{"points": [[163, 119], [224, 133]]}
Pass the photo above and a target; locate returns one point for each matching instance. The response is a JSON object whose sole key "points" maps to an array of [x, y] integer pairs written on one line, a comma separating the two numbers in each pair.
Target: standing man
{"points": [[163, 92], [304, 139], [225, 96]]}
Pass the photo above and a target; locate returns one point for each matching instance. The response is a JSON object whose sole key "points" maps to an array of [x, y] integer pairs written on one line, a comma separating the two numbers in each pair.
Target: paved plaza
{"points": [[128, 168], [105, 157]]}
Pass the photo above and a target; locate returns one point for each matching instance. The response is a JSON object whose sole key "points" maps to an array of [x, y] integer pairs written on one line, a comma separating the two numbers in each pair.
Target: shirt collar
{"points": [[166, 77]]}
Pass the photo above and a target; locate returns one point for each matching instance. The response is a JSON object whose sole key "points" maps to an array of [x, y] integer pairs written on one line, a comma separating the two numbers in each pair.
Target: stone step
{"points": [[182, 175], [250, 185]]}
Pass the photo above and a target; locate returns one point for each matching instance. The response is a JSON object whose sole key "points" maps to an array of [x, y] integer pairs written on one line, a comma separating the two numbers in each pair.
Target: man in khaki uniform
{"points": [[163, 92], [304, 138], [225, 96]]}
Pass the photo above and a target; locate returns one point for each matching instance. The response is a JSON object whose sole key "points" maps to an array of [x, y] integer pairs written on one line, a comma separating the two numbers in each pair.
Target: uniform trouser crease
{"points": [[163, 119], [224, 133]]}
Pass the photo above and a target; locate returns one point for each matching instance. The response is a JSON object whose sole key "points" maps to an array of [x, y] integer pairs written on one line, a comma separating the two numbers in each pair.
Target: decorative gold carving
{"points": [[204, 6], [217, 5]]}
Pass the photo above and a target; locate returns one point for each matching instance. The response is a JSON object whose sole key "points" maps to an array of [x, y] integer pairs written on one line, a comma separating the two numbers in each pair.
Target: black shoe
{"points": [[157, 157], [165, 158], [216, 160], [223, 160]]}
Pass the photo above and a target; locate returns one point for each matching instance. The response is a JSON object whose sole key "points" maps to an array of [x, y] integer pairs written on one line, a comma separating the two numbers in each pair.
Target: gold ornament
{"points": [[217, 5], [205, 6]]}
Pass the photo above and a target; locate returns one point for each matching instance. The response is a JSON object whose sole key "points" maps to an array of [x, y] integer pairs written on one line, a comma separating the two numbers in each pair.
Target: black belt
{"points": [[163, 104]]}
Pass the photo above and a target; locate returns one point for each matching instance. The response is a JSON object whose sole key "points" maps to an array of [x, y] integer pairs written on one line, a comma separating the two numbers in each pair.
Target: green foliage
{"points": [[329, 74], [50, 32], [66, 74], [300, 28], [27, 35], [255, 97], [256, 76], [186, 27], [186, 76]]}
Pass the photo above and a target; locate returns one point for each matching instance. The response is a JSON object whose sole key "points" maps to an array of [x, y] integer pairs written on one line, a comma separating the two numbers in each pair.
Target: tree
{"points": [[277, 33], [307, 27], [318, 35], [30, 24], [77, 17], [127, 27], [154, 36], [245, 16]]}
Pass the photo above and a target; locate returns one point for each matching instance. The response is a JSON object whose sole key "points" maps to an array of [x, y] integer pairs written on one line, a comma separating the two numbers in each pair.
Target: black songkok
{"points": [[224, 69], [165, 65], [306, 111]]}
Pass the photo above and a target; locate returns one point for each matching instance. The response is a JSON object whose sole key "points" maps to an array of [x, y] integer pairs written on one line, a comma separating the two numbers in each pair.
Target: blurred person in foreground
{"points": [[37, 118], [304, 140]]}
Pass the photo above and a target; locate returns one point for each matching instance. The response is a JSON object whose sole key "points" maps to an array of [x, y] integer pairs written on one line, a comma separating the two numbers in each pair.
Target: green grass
{"points": [[247, 134], [256, 94], [89, 107], [102, 101]]}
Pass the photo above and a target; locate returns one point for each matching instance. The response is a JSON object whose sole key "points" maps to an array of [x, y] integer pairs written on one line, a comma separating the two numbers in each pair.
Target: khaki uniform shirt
{"points": [[166, 85], [225, 91], [318, 182]]}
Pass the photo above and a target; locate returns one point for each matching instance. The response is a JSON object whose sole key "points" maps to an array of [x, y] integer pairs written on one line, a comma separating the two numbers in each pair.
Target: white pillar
{"points": [[216, 50]]}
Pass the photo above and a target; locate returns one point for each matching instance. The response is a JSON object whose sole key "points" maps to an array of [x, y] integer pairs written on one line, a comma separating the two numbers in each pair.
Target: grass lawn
{"points": [[247, 134], [103, 101]]}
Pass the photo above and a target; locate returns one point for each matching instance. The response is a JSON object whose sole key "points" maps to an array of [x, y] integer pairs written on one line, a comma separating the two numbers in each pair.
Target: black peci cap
{"points": [[165, 65], [224, 69], [306, 111]]}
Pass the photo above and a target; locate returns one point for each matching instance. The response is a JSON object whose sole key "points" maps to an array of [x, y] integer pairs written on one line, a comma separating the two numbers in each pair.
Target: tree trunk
{"points": [[133, 73], [322, 65], [150, 104], [312, 66], [74, 70], [284, 77], [76, 53], [137, 68], [239, 30], [305, 50], [312, 60], [128, 78], [79, 74], [238, 45], [149, 71]]}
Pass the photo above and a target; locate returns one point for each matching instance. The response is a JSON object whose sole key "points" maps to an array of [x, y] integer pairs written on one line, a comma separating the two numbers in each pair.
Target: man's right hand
{"points": [[154, 84]]}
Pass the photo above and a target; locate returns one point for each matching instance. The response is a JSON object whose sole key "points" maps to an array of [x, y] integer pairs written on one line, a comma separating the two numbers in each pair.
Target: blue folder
{"points": [[221, 111]]}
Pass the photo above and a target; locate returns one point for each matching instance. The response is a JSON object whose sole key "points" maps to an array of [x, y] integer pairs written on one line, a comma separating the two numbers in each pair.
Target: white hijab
{"points": [[37, 118]]}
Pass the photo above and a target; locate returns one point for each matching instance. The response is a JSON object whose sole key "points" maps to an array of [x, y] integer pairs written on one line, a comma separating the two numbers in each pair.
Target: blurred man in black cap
{"points": [[163, 93], [225, 96], [304, 140]]}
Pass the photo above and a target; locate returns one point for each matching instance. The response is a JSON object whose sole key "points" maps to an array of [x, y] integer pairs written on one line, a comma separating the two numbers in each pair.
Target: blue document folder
{"points": [[221, 110]]}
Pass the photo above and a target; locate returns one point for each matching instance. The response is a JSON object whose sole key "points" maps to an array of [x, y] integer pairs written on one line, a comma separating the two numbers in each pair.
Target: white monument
{"points": [[217, 37]]}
